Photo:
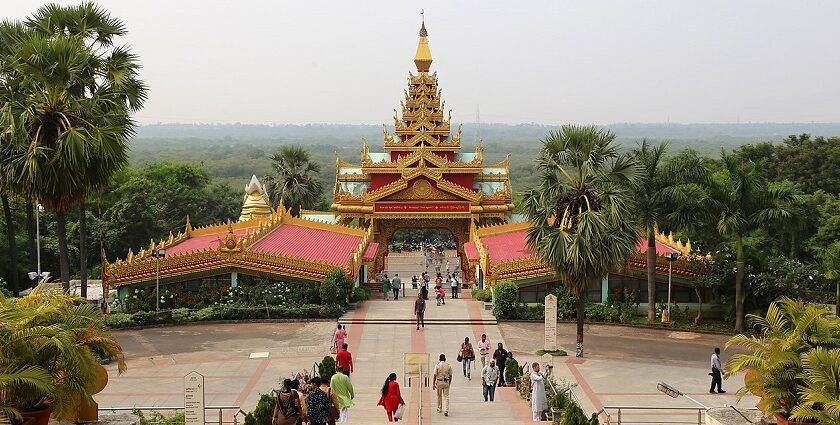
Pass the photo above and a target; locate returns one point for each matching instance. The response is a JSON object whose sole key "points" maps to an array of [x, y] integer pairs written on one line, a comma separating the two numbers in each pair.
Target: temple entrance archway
{"points": [[385, 230]]}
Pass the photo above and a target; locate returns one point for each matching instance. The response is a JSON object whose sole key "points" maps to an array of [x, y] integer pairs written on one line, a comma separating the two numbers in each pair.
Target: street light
{"points": [[673, 392], [157, 254], [38, 275], [671, 257]]}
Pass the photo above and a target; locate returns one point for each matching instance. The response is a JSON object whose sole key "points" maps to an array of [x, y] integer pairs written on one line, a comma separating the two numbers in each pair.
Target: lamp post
{"points": [[158, 253], [39, 208], [671, 256], [673, 392]]}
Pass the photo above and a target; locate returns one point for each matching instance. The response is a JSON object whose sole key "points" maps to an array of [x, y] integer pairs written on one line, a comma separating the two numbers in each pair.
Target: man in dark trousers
{"points": [[420, 310], [501, 356], [717, 372]]}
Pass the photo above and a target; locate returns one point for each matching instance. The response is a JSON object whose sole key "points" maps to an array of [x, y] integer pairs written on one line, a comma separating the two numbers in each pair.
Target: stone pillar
{"points": [[550, 322], [234, 279]]}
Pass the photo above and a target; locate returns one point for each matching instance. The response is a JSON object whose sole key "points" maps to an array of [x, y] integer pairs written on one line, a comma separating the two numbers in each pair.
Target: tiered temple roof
{"points": [[422, 148]]}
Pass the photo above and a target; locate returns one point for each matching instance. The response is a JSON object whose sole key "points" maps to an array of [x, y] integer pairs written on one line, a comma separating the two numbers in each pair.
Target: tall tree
{"points": [[743, 201], [663, 198], [70, 122], [831, 267], [295, 182], [582, 217]]}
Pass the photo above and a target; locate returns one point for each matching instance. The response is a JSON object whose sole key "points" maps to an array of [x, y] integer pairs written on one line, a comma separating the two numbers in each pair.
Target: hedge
{"points": [[183, 315]]}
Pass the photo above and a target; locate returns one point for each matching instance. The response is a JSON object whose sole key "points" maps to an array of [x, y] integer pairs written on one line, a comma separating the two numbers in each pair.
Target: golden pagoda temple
{"points": [[422, 179], [256, 203]]}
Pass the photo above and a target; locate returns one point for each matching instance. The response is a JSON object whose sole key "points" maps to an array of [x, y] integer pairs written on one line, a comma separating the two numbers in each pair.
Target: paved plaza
{"points": [[622, 365]]}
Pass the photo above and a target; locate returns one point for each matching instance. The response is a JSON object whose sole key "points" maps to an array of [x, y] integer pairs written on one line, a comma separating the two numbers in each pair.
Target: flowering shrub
{"points": [[261, 294]]}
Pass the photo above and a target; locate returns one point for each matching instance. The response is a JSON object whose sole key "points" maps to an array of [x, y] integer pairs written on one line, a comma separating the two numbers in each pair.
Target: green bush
{"points": [[205, 314], [482, 295], [329, 292], [360, 294], [147, 318], [342, 282], [506, 298], [158, 419], [565, 303], [182, 315], [330, 311], [119, 320], [261, 415], [575, 416], [601, 312], [512, 370], [326, 369]]}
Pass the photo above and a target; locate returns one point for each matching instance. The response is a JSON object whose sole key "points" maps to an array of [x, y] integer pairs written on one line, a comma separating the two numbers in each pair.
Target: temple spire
{"points": [[423, 57]]}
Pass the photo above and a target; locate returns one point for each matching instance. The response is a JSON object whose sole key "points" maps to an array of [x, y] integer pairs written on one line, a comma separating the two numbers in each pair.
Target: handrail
{"points": [[178, 408], [420, 404], [618, 409]]}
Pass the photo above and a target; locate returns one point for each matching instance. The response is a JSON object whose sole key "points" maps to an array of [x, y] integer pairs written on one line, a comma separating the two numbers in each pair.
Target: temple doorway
{"points": [[411, 246]]}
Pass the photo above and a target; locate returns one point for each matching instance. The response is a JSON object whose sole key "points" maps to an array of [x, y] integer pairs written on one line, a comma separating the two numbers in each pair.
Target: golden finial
{"points": [[423, 56], [188, 227]]}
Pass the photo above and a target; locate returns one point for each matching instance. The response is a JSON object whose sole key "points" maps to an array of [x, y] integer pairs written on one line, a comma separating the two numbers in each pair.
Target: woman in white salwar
{"points": [[539, 402]]}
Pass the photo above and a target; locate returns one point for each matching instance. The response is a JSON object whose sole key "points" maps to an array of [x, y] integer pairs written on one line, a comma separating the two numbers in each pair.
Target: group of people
{"points": [[323, 402], [391, 286]]}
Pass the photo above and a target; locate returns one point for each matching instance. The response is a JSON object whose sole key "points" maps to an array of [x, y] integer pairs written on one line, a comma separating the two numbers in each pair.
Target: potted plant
{"points": [[557, 404], [774, 359], [51, 337]]}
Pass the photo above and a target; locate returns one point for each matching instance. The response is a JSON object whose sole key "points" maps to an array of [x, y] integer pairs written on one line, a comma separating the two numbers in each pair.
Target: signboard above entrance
{"points": [[421, 207]]}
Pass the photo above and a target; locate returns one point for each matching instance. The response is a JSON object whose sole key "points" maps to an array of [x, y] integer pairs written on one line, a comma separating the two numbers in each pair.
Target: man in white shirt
{"points": [[453, 283], [717, 372], [489, 379], [483, 349]]}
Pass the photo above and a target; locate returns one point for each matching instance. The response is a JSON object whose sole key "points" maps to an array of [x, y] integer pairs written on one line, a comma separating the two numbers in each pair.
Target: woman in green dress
{"points": [[386, 286]]}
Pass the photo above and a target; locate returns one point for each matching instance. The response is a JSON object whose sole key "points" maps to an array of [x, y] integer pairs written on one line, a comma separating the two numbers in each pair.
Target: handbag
{"points": [[460, 359], [334, 413], [333, 349], [398, 414]]}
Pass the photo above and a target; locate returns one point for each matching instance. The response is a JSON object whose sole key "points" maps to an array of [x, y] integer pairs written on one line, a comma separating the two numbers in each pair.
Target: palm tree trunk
{"points": [[837, 300], [581, 310], [10, 235], [63, 261], [651, 275], [699, 315], [30, 234], [739, 284], [83, 249]]}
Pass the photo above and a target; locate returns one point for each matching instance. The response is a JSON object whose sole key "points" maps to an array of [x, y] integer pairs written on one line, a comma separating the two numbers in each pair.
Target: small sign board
{"points": [[550, 322], [194, 399]]}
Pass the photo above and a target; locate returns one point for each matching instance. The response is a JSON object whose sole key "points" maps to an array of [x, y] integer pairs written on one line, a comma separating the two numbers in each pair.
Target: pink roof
{"points": [[507, 246], [472, 253], [201, 243], [661, 248], [370, 251], [512, 246], [311, 244]]}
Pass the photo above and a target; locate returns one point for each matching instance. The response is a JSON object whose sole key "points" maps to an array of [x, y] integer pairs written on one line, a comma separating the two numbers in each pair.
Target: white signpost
{"points": [[194, 399], [550, 323]]}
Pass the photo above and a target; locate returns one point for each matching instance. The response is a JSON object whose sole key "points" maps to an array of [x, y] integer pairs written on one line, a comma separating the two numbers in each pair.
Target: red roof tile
{"points": [[472, 252], [201, 243], [311, 244], [370, 251]]}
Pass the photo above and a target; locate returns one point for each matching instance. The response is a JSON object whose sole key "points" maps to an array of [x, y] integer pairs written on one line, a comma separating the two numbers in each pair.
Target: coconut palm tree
{"points": [[663, 197], [295, 183], [69, 123], [821, 393], [582, 211], [743, 201]]}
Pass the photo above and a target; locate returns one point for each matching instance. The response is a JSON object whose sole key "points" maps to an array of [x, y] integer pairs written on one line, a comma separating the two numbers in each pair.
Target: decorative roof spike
{"points": [[688, 246], [671, 238], [188, 227], [423, 56], [171, 238], [130, 257]]}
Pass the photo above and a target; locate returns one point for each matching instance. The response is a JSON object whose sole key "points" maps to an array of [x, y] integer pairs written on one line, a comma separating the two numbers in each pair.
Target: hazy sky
{"points": [[298, 61]]}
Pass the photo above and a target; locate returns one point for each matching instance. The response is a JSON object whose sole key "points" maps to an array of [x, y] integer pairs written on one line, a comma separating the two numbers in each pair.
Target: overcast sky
{"points": [[518, 61]]}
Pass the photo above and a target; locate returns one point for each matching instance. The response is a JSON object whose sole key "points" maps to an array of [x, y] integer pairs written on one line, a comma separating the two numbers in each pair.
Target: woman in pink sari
{"points": [[338, 337]]}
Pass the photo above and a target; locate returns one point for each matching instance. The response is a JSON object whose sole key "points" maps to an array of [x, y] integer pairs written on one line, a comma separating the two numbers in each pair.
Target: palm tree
{"points": [[743, 201], [295, 183], [581, 212], [831, 266], [663, 197], [821, 393], [69, 123]]}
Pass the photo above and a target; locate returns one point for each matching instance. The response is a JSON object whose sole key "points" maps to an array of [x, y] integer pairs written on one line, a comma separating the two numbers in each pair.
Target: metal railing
{"points": [[613, 414], [213, 409], [420, 404]]}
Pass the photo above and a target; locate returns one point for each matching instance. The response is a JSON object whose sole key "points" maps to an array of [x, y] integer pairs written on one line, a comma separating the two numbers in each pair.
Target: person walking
{"points": [[539, 402], [386, 286], [483, 349], [424, 290], [317, 403], [396, 284], [338, 338], [420, 311], [343, 391], [391, 399], [287, 409], [414, 282], [453, 284], [441, 380], [344, 358], [717, 372], [333, 413], [466, 356], [489, 379], [501, 356]]}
